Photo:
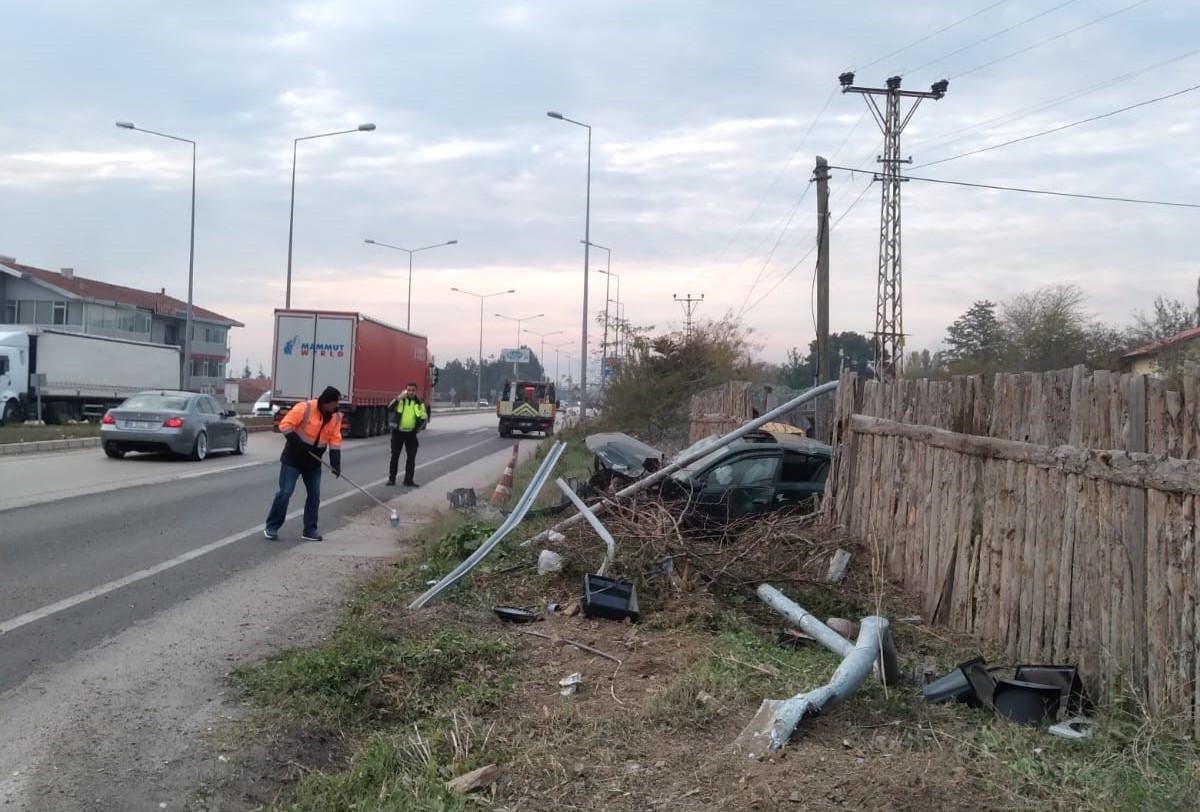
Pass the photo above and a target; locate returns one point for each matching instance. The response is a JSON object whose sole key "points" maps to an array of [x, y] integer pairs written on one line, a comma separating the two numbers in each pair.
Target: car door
{"points": [[211, 418], [740, 486], [801, 479]]}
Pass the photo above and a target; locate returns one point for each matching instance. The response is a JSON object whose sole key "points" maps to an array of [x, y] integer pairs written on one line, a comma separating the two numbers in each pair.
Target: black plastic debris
{"points": [[1024, 694], [1026, 703], [609, 598], [515, 614]]}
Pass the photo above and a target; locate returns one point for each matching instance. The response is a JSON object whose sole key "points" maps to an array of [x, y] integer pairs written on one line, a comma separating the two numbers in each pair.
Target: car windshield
{"points": [[265, 400], [157, 401]]}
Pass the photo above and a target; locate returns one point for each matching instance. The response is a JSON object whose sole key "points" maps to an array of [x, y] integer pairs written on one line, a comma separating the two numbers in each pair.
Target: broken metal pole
{"points": [[804, 620], [675, 465], [600, 529], [510, 522], [874, 643]]}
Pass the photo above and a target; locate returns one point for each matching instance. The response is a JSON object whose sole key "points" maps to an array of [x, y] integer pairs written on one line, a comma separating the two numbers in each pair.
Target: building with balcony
{"points": [[34, 297]]}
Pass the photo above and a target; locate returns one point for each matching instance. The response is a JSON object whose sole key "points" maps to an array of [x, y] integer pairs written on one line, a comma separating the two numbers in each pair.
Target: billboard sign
{"points": [[520, 356]]}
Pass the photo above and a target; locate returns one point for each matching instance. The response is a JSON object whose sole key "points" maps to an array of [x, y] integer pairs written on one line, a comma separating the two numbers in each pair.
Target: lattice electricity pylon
{"points": [[889, 311], [689, 307]]}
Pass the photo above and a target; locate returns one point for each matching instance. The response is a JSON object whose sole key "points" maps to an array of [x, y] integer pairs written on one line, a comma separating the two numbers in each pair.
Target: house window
{"points": [[10, 312], [60, 313], [25, 312]]}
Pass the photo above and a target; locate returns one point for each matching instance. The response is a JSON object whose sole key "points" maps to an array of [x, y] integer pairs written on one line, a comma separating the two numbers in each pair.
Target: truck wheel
{"points": [[242, 441], [200, 448], [113, 450], [11, 413]]}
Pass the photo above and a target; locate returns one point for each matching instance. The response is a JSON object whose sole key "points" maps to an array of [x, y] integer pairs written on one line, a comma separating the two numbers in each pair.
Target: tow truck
{"points": [[527, 406]]}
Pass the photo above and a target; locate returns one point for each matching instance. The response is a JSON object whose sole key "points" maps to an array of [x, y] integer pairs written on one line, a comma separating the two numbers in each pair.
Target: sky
{"points": [[705, 118]]}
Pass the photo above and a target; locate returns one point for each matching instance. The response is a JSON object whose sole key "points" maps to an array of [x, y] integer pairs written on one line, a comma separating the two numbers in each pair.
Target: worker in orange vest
{"points": [[307, 430]]}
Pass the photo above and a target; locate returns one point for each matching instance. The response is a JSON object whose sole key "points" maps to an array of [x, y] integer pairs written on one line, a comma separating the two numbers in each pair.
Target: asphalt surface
{"points": [[90, 547]]}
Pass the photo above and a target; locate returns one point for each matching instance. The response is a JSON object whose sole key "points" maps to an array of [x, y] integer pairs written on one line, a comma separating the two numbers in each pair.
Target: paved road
{"points": [[91, 546]]}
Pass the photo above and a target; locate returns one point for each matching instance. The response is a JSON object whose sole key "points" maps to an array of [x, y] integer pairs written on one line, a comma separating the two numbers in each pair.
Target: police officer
{"points": [[411, 417], [307, 429]]}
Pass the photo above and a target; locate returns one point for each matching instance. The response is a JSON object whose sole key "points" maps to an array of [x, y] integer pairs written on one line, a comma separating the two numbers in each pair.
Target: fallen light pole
{"points": [[600, 529], [510, 522], [776, 719]]}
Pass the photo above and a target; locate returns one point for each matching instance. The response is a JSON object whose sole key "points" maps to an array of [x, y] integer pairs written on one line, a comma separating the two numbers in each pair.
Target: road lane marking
{"points": [[66, 603]]}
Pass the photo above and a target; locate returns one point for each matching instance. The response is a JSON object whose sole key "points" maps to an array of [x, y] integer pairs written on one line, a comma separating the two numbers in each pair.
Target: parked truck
{"points": [[527, 406], [368, 361], [76, 376]]}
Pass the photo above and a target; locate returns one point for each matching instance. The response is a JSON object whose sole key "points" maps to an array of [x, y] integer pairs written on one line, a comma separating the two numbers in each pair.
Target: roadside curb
{"points": [[40, 446]]}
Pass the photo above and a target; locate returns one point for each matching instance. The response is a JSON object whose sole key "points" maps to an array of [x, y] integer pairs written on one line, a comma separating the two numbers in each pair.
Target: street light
{"points": [[557, 347], [185, 375], [518, 321], [365, 128], [617, 337], [587, 241], [481, 297], [542, 352], [408, 321], [604, 344]]}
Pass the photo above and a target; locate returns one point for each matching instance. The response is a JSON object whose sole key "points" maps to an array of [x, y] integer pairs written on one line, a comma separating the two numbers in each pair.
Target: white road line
{"points": [[141, 575]]}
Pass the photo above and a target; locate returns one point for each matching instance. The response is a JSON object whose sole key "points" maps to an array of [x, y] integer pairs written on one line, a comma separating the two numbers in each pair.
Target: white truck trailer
{"points": [[76, 376]]}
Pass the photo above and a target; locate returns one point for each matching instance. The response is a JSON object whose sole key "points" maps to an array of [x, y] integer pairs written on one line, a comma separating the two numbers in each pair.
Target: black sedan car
{"points": [[184, 423], [761, 473]]}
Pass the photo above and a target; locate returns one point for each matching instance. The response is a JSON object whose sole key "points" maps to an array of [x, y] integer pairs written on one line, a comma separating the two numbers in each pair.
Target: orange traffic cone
{"points": [[504, 486]]}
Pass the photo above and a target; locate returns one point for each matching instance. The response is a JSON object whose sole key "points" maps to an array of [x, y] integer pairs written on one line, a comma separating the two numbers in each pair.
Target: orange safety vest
{"points": [[307, 422]]}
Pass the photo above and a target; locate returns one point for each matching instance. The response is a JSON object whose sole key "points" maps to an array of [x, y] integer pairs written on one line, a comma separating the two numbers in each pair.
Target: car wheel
{"points": [[200, 448], [113, 450], [242, 439]]}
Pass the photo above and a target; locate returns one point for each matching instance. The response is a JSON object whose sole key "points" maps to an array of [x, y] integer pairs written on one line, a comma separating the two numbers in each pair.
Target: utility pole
{"points": [[689, 307], [889, 313], [821, 176]]}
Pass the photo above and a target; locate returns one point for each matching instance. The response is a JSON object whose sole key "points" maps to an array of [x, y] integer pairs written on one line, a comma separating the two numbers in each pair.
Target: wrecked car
{"points": [[762, 472]]}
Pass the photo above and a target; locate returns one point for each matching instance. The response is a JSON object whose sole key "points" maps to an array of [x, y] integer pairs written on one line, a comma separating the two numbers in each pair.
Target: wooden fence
{"points": [[724, 408], [1053, 515]]}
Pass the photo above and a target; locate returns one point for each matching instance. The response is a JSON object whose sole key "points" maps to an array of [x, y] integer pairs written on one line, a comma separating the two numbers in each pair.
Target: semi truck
{"points": [[76, 376], [368, 361]]}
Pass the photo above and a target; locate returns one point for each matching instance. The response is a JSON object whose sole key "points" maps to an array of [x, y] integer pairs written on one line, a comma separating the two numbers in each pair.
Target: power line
{"points": [[1013, 27], [808, 253], [1028, 48], [1060, 128], [928, 37], [945, 140], [1142, 201], [775, 247]]}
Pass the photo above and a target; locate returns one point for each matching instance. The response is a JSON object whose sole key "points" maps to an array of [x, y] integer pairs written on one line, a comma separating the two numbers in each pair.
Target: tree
{"points": [[850, 349], [262, 376], [1170, 317], [923, 364], [246, 369], [650, 395], [1048, 329], [975, 342]]}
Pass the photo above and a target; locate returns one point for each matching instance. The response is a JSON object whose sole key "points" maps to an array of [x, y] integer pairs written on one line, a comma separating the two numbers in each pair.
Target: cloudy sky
{"points": [[706, 119]]}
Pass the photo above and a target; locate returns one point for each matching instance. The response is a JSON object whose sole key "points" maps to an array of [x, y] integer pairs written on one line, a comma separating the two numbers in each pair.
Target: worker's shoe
{"points": [[410, 484], [312, 537], [270, 535], [391, 481]]}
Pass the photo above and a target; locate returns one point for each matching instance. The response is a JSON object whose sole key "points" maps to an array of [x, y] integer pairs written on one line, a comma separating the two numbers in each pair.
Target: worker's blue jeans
{"points": [[288, 475]]}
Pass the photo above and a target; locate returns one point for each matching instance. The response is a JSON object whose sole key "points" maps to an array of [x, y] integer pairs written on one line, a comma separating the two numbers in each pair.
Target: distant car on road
{"points": [[183, 423], [484, 402], [263, 407]]}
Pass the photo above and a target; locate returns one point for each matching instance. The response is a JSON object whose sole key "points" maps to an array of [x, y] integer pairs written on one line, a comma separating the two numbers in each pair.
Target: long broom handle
{"points": [[381, 503]]}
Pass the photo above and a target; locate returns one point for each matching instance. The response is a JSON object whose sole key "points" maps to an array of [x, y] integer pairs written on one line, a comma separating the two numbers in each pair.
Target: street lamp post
{"points": [[366, 128], [587, 241], [410, 252], [516, 371], [481, 297], [608, 273], [542, 351], [620, 319], [557, 347], [185, 375]]}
